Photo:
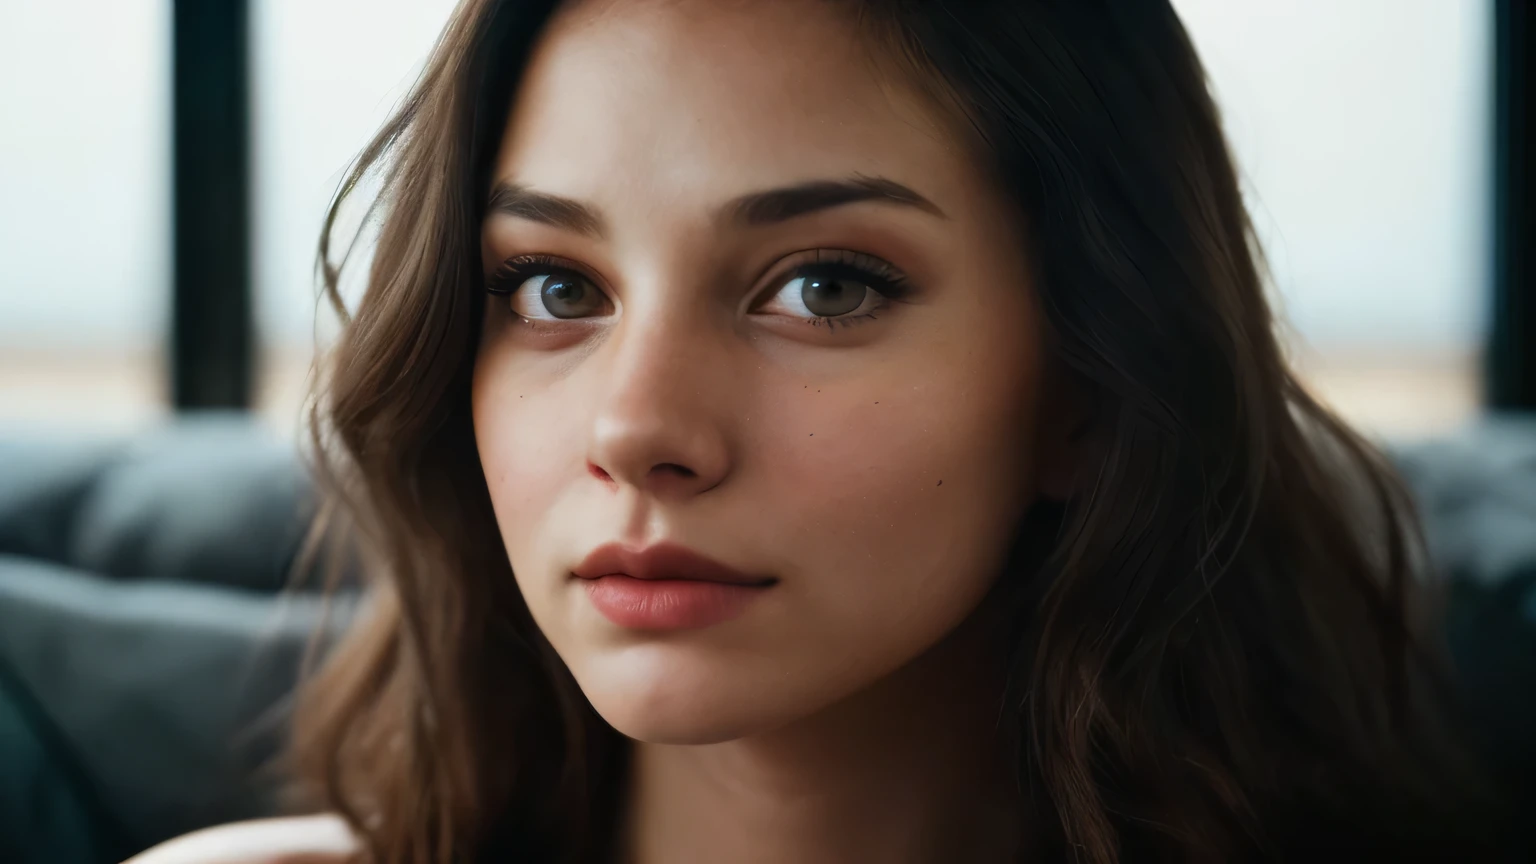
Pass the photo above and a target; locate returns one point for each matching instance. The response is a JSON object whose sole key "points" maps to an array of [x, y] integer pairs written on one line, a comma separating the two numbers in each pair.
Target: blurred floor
{"points": [[1394, 395]]}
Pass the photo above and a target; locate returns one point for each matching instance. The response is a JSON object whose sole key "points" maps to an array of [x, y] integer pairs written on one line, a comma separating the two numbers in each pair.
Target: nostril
{"points": [[671, 468], [680, 470]]}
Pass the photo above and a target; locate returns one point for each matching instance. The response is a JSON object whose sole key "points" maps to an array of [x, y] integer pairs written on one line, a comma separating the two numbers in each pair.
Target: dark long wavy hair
{"points": [[1221, 647]]}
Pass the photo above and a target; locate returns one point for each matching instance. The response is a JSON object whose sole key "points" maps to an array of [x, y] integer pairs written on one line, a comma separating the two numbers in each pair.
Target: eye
{"points": [[824, 296], [555, 295], [840, 286], [540, 290]]}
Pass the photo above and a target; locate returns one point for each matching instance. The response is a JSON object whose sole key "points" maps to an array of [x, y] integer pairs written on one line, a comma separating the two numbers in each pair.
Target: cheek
{"points": [[526, 463], [901, 502]]}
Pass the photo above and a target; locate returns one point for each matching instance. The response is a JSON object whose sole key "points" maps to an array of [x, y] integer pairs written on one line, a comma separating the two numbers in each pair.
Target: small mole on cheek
{"points": [[940, 483]]}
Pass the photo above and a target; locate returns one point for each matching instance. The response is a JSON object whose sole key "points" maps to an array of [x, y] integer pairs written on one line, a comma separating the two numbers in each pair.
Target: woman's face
{"points": [[833, 390]]}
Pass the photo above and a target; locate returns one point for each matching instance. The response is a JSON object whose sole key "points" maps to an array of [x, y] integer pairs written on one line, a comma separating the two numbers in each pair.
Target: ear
{"points": [[1068, 412]]}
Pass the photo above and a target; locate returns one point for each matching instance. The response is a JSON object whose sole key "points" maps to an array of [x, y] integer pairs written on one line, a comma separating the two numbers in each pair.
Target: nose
{"points": [[661, 425]]}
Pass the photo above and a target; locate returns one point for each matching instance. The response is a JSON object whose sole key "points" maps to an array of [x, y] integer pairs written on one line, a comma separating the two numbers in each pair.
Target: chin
{"points": [[650, 697], [678, 727]]}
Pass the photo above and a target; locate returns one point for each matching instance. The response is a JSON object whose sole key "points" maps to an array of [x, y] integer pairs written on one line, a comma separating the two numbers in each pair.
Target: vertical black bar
{"points": [[211, 327], [1511, 377]]}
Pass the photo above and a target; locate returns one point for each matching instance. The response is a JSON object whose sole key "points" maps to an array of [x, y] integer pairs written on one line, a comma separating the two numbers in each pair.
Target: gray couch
{"points": [[147, 645], [146, 640]]}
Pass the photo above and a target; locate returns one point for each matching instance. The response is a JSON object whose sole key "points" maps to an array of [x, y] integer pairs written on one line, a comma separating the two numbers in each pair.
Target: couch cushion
{"points": [[46, 812], [169, 695], [210, 498], [1477, 492]]}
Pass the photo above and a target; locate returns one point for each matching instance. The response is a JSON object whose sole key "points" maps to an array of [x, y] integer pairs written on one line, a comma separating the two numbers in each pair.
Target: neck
{"points": [[910, 771]]}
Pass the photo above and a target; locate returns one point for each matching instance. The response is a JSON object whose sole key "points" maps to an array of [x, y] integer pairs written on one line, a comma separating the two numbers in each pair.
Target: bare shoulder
{"points": [[321, 839]]}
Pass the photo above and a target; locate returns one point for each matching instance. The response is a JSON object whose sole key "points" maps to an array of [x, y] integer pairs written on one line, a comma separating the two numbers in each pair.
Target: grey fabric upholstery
{"points": [[169, 693], [141, 605], [211, 499], [1477, 492], [47, 810]]}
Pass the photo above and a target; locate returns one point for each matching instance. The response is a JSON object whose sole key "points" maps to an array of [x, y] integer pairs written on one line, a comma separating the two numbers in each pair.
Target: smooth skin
{"points": [[681, 389]]}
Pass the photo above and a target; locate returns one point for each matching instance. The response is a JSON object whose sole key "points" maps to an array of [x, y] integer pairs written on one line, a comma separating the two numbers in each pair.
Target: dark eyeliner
{"points": [[514, 271], [855, 267]]}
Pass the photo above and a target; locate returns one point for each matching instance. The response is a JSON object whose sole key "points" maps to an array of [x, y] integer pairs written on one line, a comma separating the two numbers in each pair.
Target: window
{"points": [[326, 74], [1362, 129], [84, 213]]}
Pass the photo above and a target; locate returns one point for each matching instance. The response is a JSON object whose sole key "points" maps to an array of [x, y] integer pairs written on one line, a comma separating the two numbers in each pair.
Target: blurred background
{"points": [[165, 166], [1364, 129]]}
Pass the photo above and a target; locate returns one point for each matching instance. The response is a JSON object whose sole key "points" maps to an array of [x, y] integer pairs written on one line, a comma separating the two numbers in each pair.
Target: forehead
{"points": [[694, 94]]}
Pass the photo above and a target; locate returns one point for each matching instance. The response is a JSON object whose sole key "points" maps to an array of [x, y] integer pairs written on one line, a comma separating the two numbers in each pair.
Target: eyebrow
{"points": [[756, 208]]}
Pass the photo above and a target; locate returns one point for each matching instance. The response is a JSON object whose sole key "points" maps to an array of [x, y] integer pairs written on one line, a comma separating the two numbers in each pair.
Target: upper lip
{"points": [[662, 561]]}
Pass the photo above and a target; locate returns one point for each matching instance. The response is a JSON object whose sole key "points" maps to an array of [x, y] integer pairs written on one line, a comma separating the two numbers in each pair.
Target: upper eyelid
{"points": [[885, 275], [550, 264], [848, 258]]}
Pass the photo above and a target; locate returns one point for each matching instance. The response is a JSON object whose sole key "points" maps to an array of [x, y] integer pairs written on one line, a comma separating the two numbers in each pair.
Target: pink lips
{"points": [[666, 587]]}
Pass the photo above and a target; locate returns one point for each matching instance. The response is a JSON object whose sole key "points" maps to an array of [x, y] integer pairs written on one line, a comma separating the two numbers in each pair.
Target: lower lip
{"points": [[669, 604]]}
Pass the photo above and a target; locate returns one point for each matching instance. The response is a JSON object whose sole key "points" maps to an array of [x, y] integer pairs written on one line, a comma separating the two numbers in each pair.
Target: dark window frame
{"points": [[212, 334]]}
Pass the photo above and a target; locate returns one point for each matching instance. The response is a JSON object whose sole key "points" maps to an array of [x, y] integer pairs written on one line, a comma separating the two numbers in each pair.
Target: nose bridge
{"points": [[661, 424], [656, 365]]}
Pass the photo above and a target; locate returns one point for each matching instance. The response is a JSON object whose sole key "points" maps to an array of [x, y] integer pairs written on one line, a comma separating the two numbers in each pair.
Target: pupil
{"points": [[565, 297], [829, 297]]}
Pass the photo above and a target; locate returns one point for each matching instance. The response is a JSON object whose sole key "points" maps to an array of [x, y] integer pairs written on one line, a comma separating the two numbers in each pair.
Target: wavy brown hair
{"points": [[1218, 647]]}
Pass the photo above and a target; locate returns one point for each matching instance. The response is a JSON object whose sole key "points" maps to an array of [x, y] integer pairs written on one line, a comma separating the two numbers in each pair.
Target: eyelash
{"points": [[882, 278], [879, 276], [514, 271]]}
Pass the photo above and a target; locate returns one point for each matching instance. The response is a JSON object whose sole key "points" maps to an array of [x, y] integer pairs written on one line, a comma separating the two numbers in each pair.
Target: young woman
{"points": [[848, 431]]}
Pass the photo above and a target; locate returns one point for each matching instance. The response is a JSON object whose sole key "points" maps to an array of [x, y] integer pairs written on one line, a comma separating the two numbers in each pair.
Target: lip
{"points": [[666, 587], [663, 561]]}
